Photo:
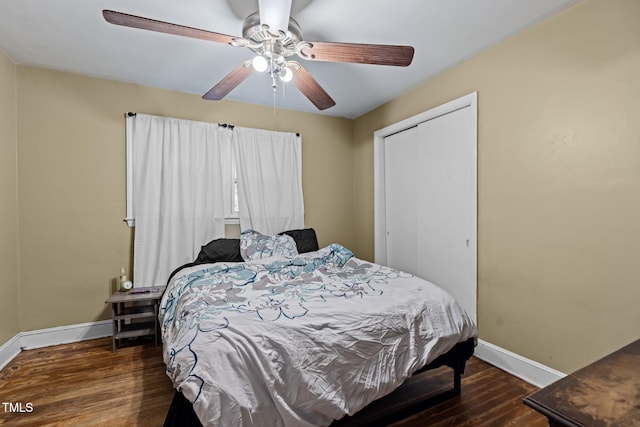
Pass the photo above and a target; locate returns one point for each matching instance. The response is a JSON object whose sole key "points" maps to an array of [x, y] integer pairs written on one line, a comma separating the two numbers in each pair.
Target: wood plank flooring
{"points": [[85, 384]]}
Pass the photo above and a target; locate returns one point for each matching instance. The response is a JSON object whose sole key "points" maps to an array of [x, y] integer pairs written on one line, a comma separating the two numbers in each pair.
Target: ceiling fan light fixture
{"points": [[286, 74], [260, 63]]}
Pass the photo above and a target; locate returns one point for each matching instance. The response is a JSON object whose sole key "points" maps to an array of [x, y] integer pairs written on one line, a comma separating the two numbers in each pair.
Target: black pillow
{"points": [[305, 239], [220, 250]]}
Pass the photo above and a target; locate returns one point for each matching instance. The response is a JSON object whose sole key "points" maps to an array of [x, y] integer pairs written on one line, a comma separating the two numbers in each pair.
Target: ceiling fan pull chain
{"points": [[274, 86], [274, 83]]}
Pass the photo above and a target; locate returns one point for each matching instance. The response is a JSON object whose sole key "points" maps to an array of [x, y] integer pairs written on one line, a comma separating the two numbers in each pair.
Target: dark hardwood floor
{"points": [[85, 384]]}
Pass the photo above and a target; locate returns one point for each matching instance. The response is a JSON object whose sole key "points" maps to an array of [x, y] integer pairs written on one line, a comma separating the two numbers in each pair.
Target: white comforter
{"points": [[300, 341]]}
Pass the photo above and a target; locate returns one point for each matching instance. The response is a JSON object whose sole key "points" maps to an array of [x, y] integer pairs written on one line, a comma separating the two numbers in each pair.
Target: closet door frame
{"points": [[380, 227]]}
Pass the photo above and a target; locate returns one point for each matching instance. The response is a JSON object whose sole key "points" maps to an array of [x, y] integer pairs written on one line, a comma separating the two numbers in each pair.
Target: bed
{"points": [[274, 331]]}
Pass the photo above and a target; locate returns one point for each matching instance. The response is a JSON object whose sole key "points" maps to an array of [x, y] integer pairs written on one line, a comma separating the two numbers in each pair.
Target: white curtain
{"points": [[180, 180], [269, 180]]}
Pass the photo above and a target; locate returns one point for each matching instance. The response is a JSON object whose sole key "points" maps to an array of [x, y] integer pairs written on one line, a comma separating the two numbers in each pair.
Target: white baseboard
{"points": [[9, 350], [53, 336], [526, 369]]}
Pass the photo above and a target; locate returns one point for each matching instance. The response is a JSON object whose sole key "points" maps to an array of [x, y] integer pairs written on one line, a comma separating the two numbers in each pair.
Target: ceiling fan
{"points": [[275, 37]]}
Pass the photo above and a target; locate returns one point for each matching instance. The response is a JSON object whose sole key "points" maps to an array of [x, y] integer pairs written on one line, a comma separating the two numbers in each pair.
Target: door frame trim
{"points": [[379, 199]]}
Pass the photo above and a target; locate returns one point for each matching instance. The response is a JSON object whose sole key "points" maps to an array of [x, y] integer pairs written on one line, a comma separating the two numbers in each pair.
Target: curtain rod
{"points": [[223, 125], [230, 127]]}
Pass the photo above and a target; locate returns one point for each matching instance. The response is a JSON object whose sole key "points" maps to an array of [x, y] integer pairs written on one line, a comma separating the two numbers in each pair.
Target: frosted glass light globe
{"points": [[286, 74], [260, 63]]}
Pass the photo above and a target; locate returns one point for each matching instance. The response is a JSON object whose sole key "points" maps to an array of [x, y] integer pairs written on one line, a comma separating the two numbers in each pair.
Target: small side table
{"points": [[135, 313]]}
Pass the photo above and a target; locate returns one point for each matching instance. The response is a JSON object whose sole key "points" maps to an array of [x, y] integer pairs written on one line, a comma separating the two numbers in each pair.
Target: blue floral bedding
{"points": [[300, 340]]}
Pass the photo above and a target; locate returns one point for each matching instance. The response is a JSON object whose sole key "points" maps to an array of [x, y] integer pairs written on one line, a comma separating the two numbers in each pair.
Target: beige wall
{"points": [[558, 181], [9, 297], [71, 162]]}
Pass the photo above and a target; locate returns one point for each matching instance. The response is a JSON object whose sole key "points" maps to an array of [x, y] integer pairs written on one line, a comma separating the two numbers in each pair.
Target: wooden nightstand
{"points": [[135, 313]]}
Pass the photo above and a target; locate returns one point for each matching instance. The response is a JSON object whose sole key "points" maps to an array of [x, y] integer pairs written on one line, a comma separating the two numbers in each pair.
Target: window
{"points": [[232, 210]]}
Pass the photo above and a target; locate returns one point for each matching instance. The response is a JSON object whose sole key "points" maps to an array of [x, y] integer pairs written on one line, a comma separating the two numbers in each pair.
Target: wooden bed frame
{"points": [[181, 413]]}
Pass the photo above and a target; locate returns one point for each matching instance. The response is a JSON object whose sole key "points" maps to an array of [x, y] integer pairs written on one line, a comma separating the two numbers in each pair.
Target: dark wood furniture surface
{"points": [[135, 313], [604, 393]]}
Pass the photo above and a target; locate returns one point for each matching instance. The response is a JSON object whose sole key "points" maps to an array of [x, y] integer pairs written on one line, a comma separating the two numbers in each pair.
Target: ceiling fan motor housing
{"points": [[263, 41]]}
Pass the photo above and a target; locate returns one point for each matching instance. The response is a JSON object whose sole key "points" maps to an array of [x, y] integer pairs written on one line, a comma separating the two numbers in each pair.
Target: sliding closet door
{"points": [[402, 152], [430, 191]]}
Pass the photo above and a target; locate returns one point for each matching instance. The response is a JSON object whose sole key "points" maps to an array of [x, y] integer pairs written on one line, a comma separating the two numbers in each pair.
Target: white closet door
{"points": [[430, 190], [401, 172]]}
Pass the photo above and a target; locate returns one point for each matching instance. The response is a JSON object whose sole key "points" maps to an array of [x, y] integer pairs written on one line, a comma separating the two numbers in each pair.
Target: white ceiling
{"points": [[72, 36]]}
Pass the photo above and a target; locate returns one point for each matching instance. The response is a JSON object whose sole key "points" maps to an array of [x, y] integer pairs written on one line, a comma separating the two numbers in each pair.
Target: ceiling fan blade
{"points": [[379, 54], [231, 80], [126, 20], [275, 14], [311, 88]]}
